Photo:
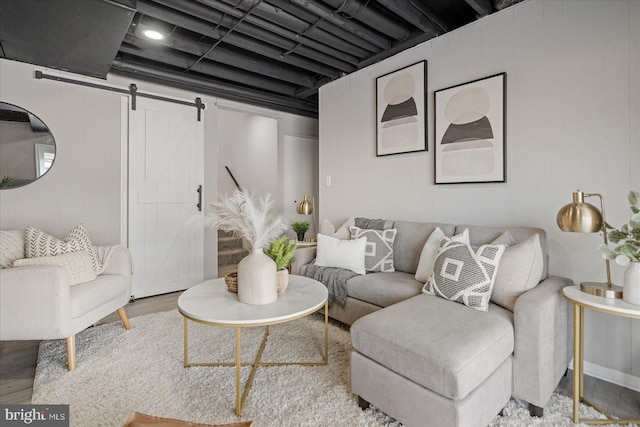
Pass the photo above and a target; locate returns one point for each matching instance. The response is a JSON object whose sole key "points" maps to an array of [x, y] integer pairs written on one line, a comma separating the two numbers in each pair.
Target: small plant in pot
{"points": [[300, 229], [281, 251]]}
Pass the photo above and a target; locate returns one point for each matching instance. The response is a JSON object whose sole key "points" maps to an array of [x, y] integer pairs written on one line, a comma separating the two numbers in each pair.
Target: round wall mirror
{"points": [[27, 147]]}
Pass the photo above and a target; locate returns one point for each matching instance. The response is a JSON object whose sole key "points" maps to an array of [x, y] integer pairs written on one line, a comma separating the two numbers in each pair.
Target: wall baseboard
{"points": [[610, 375]]}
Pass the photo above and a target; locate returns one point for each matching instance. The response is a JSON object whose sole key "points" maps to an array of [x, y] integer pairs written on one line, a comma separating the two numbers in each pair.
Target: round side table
{"points": [[615, 307]]}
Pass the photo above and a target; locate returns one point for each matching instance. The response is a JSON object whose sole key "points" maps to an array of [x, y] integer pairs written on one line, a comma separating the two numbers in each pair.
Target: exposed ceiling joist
{"points": [[349, 25], [262, 24], [412, 14], [202, 27], [272, 53], [482, 7]]}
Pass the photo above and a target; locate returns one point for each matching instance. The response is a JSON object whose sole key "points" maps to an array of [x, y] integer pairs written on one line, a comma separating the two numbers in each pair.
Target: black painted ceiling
{"points": [[271, 53]]}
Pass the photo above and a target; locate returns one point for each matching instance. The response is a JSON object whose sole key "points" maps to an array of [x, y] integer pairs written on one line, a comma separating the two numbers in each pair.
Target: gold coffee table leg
{"points": [[252, 375], [239, 401], [241, 395], [326, 332], [186, 343]]}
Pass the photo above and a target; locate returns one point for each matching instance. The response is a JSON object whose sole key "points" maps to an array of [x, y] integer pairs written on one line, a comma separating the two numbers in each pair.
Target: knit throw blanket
{"points": [[335, 279], [373, 224]]}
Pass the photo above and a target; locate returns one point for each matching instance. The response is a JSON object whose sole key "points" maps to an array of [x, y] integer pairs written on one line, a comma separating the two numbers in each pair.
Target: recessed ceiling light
{"points": [[154, 35]]}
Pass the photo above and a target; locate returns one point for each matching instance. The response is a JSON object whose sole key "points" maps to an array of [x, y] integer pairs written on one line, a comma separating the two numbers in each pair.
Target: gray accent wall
{"points": [[573, 103]]}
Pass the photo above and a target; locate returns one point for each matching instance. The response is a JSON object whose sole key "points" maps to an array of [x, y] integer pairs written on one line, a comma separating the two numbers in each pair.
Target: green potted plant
{"points": [[281, 251], [300, 227], [6, 182]]}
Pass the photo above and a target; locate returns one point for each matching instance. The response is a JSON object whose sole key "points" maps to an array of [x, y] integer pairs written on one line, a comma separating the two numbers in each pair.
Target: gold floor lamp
{"points": [[305, 207], [582, 217]]}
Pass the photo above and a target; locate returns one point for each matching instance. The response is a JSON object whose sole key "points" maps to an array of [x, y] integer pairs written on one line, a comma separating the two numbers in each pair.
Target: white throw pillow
{"points": [[465, 275], [347, 254], [11, 247], [520, 270], [40, 244], [78, 265], [342, 233], [430, 251]]}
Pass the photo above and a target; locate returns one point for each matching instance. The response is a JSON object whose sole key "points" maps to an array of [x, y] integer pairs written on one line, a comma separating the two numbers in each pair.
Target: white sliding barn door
{"points": [[166, 236]]}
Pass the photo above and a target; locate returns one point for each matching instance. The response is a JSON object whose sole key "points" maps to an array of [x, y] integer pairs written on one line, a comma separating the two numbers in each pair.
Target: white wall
{"points": [[300, 163], [84, 184], [573, 103], [248, 146]]}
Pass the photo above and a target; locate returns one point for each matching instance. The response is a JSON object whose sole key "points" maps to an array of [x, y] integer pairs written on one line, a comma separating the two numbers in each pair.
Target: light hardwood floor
{"points": [[18, 363]]}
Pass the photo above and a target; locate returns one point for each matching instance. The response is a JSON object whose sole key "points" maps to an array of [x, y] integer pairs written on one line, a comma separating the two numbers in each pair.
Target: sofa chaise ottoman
{"points": [[426, 360]]}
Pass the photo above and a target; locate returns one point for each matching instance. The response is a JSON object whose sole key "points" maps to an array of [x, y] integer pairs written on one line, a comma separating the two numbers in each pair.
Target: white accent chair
{"points": [[37, 303]]}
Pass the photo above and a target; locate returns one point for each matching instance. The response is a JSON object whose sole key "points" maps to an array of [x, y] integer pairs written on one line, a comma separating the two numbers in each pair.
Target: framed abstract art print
{"points": [[401, 110], [470, 130]]}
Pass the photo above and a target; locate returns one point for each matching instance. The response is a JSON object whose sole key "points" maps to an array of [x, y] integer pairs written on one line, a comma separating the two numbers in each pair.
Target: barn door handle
{"points": [[199, 205]]}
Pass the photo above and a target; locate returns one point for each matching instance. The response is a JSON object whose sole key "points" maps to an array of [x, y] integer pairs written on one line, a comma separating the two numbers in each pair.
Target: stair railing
{"points": [[233, 178]]}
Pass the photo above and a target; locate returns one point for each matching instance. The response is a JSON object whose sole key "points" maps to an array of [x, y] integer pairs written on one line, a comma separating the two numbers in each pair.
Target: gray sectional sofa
{"points": [[428, 361]]}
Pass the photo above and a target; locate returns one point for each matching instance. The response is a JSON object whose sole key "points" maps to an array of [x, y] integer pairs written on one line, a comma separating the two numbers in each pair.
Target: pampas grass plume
{"points": [[248, 216]]}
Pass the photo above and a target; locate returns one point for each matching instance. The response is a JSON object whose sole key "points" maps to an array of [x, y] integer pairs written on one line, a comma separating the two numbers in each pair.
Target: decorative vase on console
{"points": [[250, 217], [257, 279], [627, 250], [631, 287]]}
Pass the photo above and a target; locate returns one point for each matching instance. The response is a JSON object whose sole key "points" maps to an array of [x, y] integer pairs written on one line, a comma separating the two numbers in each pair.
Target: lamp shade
{"points": [[579, 216], [305, 207]]}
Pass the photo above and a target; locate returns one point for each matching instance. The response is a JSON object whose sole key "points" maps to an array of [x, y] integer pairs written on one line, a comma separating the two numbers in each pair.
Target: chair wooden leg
{"points": [[71, 352], [125, 319]]}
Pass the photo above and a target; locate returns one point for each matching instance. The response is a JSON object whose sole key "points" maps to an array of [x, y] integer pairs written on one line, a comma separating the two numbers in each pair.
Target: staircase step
{"points": [[222, 233], [225, 243], [231, 256]]}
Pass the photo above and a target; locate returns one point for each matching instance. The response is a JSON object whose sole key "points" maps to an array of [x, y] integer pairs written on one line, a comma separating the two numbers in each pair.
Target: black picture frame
{"points": [[401, 110], [470, 128]]}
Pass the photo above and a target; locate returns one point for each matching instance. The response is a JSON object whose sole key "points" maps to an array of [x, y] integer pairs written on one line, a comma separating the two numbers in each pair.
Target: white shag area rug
{"points": [[120, 372]]}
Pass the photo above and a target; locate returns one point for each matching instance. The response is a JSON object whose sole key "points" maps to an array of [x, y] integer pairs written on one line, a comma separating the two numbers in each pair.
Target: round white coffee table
{"points": [[212, 304]]}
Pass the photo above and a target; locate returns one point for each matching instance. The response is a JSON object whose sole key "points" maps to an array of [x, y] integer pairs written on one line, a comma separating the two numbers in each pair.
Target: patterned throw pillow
{"points": [[41, 244], [78, 265], [463, 275], [378, 256], [11, 247], [430, 252]]}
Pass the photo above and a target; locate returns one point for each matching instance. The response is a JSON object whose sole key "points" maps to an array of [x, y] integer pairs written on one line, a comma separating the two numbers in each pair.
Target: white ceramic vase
{"points": [[257, 279], [631, 288]]}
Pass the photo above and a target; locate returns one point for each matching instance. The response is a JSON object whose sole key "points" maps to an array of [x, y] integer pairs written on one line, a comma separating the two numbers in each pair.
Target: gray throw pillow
{"points": [[378, 256], [463, 275], [520, 270]]}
